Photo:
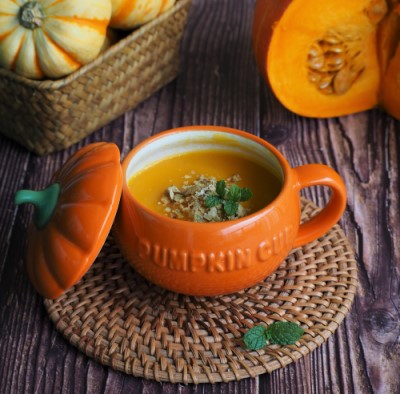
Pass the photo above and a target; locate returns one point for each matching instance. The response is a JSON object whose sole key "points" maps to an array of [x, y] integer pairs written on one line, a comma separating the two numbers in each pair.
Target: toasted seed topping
{"points": [[189, 201]]}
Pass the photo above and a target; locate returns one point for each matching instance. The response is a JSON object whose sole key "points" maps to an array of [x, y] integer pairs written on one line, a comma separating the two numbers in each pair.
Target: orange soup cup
{"points": [[206, 259]]}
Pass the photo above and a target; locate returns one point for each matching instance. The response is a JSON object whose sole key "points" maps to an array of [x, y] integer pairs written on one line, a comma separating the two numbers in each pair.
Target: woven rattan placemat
{"points": [[125, 322]]}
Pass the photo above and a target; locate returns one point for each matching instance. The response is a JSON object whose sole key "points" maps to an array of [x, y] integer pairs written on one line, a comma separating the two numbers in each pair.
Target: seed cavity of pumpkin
{"points": [[337, 59]]}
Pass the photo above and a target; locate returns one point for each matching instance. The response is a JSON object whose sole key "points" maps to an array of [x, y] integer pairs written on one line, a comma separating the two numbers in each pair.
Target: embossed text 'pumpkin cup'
{"points": [[75, 213]]}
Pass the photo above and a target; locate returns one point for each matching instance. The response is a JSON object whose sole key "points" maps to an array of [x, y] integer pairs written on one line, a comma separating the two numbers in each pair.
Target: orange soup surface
{"points": [[149, 184]]}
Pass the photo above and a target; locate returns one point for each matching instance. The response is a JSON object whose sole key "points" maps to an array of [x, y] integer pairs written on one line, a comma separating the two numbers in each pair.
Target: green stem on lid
{"points": [[45, 202]]}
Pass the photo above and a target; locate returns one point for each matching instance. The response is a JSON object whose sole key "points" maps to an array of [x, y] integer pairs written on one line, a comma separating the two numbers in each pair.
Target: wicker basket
{"points": [[47, 116]]}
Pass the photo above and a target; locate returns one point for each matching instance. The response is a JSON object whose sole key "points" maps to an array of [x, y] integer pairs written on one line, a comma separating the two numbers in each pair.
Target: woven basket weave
{"points": [[123, 321], [47, 116]]}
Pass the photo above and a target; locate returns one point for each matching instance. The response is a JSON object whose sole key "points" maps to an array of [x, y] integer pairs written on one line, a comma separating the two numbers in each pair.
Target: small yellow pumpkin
{"points": [[127, 14], [51, 38]]}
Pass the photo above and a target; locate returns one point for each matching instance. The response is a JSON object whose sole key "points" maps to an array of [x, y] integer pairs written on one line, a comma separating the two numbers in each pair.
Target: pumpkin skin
{"points": [[128, 14], [389, 39], [51, 38], [329, 58], [64, 242]]}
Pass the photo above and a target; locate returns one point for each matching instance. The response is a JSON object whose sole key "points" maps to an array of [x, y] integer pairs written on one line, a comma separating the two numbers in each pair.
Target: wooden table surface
{"points": [[220, 85]]}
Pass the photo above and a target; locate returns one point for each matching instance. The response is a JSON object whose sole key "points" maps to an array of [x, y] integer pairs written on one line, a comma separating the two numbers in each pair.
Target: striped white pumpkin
{"points": [[127, 14], [51, 38]]}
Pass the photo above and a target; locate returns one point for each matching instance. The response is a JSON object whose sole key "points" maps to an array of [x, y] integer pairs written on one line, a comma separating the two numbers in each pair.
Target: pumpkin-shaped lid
{"points": [[73, 217]]}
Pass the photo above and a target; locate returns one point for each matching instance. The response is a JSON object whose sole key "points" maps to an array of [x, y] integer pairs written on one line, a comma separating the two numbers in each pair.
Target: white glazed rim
{"points": [[173, 144]]}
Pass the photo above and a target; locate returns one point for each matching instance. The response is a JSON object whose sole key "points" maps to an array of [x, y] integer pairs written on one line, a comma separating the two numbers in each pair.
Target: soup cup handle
{"points": [[313, 175]]}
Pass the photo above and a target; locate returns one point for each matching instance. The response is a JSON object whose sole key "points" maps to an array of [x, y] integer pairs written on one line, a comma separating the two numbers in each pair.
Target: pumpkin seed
{"points": [[324, 84], [335, 67], [332, 38], [344, 79], [337, 48], [314, 76], [376, 10], [334, 59], [315, 50], [316, 63], [328, 90]]}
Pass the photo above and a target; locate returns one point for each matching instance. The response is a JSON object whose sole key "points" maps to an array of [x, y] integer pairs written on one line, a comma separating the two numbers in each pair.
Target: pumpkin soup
{"points": [[156, 185]]}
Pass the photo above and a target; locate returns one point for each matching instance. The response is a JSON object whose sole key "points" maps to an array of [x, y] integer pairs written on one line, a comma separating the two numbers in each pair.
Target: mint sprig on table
{"points": [[278, 333], [228, 197]]}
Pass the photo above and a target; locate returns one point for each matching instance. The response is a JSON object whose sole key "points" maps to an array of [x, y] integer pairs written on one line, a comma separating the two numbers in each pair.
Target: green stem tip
{"points": [[45, 202]]}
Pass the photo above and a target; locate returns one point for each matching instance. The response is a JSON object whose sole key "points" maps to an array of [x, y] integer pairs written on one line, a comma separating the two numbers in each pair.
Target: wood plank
{"points": [[220, 85]]}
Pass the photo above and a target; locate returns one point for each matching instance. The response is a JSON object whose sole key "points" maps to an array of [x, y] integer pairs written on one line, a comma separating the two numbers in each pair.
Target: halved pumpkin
{"points": [[329, 58]]}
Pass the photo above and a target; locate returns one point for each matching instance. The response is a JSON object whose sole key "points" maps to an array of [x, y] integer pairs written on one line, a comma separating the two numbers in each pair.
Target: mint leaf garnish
{"points": [[284, 333], [255, 339], [245, 194], [231, 207], [220, 188], [234, 193], [228, 196], [278, 333], [212, 201]]}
